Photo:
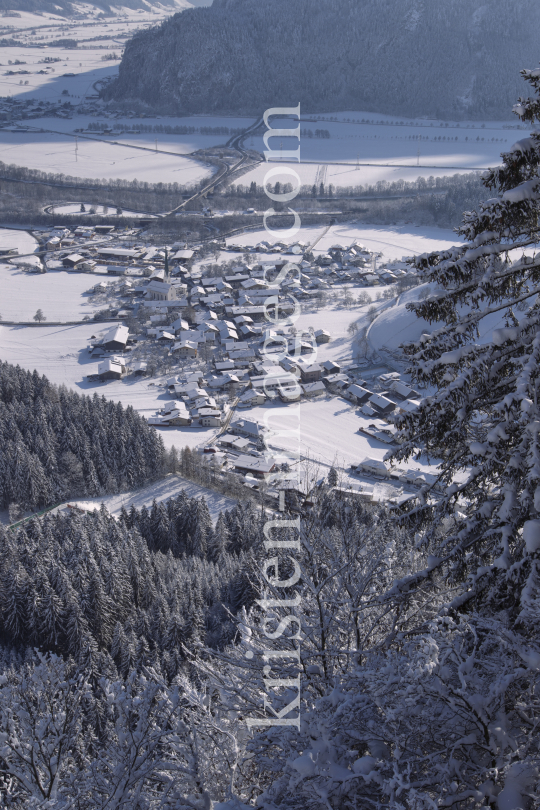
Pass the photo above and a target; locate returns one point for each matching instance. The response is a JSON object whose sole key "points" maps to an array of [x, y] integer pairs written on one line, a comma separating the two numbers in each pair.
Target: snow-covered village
{"points": [[269, 415]]}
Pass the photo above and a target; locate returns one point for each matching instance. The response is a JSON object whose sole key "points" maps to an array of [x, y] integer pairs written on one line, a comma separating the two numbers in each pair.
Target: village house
{"points": [[211, 418], [185, 349], [235, 442], [111, 369], [73, 261], [322, 336], [329, 367], [250, 398], [373, 466], [315, 389], [358, 394], [310, 373], [179, 418], [402, 391], [114, 339], [381, 405], [257, 466], [247, 427]]}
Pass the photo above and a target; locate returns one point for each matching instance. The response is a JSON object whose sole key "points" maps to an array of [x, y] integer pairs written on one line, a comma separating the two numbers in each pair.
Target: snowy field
{"points": [[104, 210], [344, 176], [96, 35], [90, 21], [181, 144], [25, 244], [97, 159], [385, 148], [61, 295], [47, 81], [169, 487], [327, 433]]}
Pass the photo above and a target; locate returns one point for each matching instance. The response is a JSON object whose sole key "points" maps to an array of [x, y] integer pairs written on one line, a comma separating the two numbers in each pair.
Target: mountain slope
{"points": [[442, 58]]}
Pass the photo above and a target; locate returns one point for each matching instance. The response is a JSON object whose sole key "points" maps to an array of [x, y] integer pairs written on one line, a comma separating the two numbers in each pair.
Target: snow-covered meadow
{"points": [[61, 295], [21, 240], [97, 158], [365, 148]]}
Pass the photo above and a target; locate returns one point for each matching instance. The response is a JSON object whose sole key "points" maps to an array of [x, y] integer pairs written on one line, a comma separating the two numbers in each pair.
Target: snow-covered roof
{"points": [[119, 334]]}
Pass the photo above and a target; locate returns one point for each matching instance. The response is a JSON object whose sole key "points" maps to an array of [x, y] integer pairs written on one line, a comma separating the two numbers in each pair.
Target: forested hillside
{"points": [[137, 589], [57, 444], [442, 58]]}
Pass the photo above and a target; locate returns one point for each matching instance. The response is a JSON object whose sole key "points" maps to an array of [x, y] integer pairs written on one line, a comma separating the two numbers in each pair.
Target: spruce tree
{"points": [[482, 364]]}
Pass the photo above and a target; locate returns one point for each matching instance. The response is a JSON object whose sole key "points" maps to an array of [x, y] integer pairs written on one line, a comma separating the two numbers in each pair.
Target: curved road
{"points": [[225, 172]]}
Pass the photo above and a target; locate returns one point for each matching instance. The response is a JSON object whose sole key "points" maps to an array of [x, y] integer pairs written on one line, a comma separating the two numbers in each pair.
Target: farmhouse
{"points": [[186, 348], [402, 391], [358, 394], [111, 369], [212, 418], [310, 373], [329, 367], [250, 398], [119, 254], [115, 339], [180, 417], [381, 404], [373, 466], [259, 467], [139, 368], [247, 427], [314, 389], [234, 442], [322, 336], [73, 260]]}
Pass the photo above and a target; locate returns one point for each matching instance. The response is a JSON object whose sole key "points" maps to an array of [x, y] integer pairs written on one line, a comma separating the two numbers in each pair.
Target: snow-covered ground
{"points": [[327, 432], [397, 149], [88, 22], [97, 159], [397, 325], [169, 487], [434, 143], [61, 295], [25, 244], [105, 210]]}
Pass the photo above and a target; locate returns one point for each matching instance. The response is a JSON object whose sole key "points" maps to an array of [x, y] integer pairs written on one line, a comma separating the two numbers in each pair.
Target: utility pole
{"points": [[76, 148]]}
